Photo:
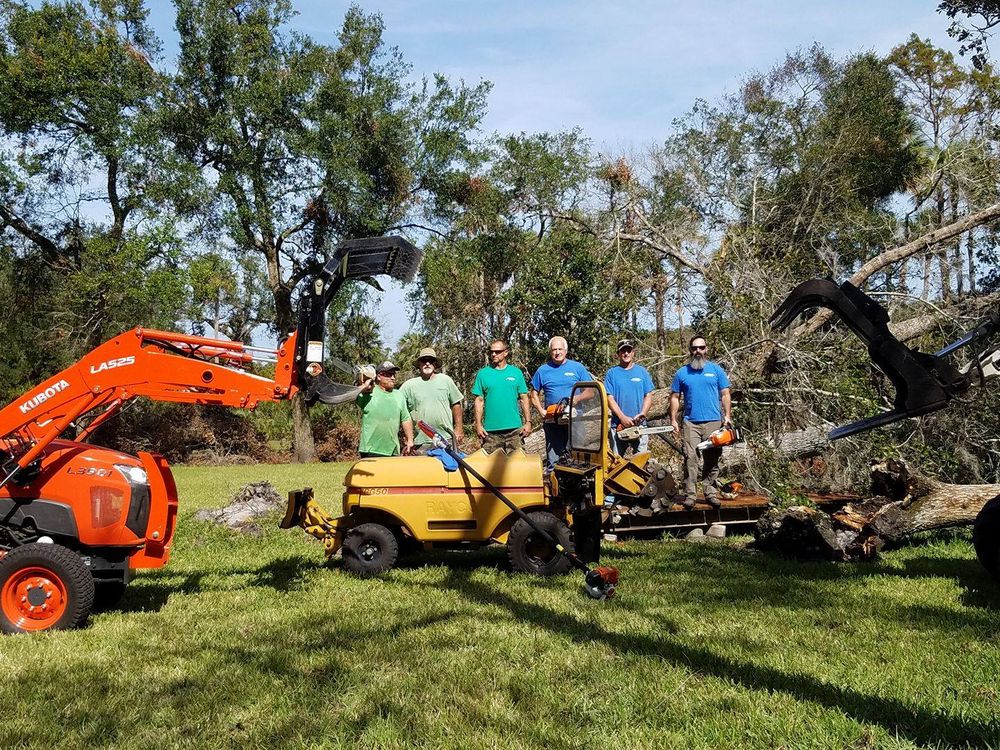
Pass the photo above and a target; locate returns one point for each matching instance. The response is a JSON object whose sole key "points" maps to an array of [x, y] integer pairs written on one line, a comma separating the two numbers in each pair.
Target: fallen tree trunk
{"points": [[918, 503], [904, 502], [901, 253], [789, 445]]}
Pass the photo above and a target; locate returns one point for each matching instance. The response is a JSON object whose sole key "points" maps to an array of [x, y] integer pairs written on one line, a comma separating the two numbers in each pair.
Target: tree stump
{"points": [[251, 502]]}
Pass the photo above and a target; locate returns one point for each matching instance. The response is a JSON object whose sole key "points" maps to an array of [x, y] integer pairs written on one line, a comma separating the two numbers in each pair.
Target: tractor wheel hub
{"points": [[34, 597]]}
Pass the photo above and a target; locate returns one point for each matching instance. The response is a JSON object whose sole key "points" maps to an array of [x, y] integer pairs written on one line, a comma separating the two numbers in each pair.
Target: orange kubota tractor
{"points": [[76, 518]]}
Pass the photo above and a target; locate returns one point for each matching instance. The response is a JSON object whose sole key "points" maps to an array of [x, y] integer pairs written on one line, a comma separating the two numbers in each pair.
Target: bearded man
{"points": [[707, 406]]}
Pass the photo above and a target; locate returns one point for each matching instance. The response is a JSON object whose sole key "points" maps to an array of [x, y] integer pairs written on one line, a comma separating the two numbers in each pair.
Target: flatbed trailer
{"points": [[738, 512]]}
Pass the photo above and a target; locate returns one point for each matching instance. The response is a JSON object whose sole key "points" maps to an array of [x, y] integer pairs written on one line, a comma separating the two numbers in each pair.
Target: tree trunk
{"points": [[659, 315], [970, 249], [303, 444], [917, 503], [904, 503], [925, 243]]}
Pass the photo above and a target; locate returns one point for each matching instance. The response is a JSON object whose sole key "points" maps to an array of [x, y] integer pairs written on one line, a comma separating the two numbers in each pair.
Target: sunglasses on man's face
{"points": [[426, 361], [626, 350], [699, 348], [496, 351]]}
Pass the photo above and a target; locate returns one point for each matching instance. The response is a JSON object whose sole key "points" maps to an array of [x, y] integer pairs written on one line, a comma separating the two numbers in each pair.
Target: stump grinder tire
{"points": [[44, 587], [529, 552], [370, 549], [986, 537]]}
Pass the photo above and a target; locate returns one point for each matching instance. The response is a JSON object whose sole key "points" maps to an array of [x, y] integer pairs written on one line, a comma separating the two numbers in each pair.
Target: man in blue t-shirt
{"points": [[630, 394], [555, 379], [707, 406]]}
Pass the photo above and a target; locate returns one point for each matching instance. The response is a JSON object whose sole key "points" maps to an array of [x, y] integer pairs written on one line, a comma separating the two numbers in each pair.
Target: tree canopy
{"points": [[197, 190]]}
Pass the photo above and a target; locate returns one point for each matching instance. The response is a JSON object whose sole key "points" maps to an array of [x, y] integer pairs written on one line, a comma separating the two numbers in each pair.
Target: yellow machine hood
{"points": [[518, 470]]}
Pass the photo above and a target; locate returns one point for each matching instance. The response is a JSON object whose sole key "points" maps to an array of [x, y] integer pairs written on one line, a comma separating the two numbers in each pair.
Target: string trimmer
{"points": [[599, 582]]}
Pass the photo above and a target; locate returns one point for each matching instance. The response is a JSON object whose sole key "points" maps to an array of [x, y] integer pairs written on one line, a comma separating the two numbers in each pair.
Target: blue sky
{"points": [[621, 71]]}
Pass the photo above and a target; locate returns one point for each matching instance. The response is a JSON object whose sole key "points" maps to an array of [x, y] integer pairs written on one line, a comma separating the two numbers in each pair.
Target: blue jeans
{"points": [[556, 440]]}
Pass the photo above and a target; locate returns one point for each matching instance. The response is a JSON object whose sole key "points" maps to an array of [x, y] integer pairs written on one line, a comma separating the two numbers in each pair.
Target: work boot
{"points": [[689, 503], [714, 502]]}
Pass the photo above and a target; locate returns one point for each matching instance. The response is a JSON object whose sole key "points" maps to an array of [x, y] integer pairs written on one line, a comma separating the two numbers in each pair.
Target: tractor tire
{"points": [[986, 536], [529, 552], [370, 550], [44, 587]]}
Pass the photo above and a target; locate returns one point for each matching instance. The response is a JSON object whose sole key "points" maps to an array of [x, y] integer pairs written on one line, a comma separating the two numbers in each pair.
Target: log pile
{"points": [[904, 502]]}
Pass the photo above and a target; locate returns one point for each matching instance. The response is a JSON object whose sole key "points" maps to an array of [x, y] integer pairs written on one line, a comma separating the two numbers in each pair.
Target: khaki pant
{"points": [[694, 433]]}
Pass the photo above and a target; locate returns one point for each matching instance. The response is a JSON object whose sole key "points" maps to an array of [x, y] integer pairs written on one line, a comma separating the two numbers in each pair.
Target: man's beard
{"points": [[698, 362]]}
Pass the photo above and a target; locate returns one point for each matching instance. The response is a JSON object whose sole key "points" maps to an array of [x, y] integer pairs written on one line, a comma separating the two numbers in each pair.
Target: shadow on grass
{"points": [[897, 717], [733, 575], [151, 592], [491, 557]]}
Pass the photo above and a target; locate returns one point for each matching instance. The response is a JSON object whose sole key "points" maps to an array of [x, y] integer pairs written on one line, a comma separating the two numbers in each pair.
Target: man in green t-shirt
{"points": [[433, 398], [503, 416], [383, 413]]}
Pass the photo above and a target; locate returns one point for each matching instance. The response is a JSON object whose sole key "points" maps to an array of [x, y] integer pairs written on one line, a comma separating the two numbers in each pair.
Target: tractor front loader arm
{"points": [[923, 382], [179, 368]]}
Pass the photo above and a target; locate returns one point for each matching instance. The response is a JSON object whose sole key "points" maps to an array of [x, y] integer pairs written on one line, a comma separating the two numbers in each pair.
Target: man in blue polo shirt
{"points": [[707, 406], [630, 394], [555, 379]]}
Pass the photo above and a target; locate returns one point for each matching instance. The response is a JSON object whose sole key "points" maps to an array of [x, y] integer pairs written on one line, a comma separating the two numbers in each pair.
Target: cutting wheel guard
{"points": [[923, 382]]}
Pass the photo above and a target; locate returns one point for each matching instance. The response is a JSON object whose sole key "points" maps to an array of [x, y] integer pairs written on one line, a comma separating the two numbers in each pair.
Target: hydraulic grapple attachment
{"points": [[363, 259], [923, 382]]}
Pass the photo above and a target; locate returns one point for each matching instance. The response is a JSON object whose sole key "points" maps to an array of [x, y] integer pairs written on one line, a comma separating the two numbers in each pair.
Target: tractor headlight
{"points": [[133, 474]]}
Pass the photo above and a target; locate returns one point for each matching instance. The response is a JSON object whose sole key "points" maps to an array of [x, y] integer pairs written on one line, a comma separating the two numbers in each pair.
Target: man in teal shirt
{"points": [[503, 416], [383, 413], [433, 398]]}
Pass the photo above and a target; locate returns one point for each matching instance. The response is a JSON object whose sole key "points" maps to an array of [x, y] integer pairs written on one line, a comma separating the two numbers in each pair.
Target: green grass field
{"points": [[248, 641]]}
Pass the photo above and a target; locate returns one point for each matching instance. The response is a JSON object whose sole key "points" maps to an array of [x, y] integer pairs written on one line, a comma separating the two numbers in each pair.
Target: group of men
{"points": [[503, 401]]}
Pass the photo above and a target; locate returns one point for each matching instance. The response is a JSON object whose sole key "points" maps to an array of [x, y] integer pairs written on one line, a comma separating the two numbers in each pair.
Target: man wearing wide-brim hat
{"points": [[433, 398], [383, 414]]}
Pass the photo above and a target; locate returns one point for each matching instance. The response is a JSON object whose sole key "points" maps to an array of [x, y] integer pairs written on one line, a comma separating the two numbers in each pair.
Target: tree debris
{"points": [[904, 502], [251, 502]]}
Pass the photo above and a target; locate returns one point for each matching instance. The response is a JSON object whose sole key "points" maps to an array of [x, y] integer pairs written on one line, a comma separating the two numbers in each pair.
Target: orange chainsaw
{"points": [[559, 413]]}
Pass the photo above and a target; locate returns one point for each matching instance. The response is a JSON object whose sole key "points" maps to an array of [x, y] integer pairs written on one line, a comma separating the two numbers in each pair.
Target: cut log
{"points": [[904, 502], [918, 503]]}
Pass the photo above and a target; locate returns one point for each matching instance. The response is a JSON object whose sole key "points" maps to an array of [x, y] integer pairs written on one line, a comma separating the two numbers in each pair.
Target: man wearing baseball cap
{"points": [[630, 394], [383, 413], [433, 398]]}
